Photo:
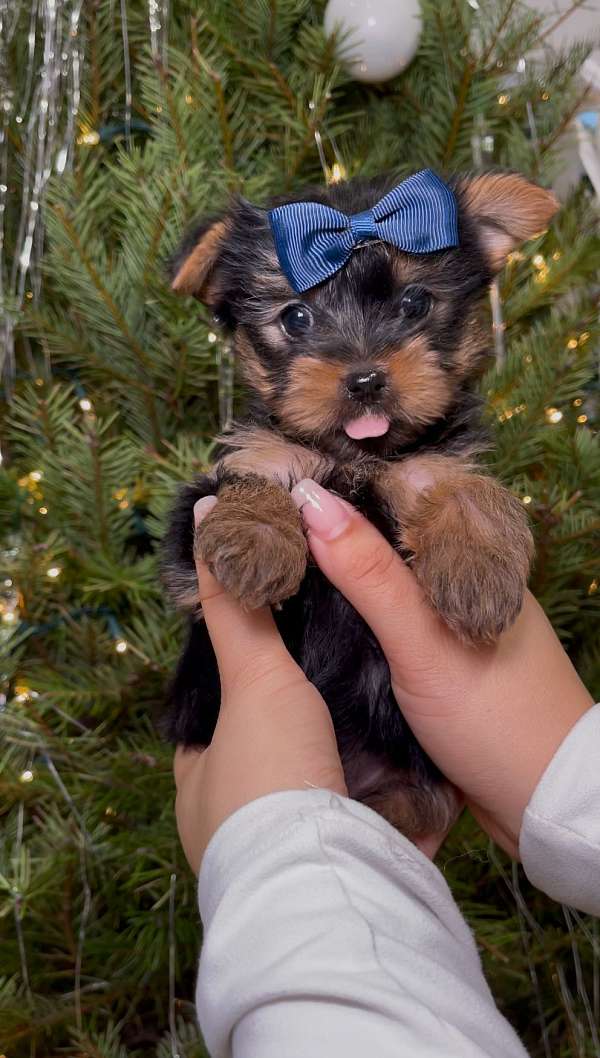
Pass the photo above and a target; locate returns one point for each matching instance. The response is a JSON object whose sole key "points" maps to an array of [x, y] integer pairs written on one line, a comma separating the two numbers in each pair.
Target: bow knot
{"points": [[363, 226], [314, 241]]}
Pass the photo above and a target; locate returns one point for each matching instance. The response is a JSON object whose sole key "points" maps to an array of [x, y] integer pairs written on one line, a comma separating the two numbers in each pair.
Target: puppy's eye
{"points": [[415, 303], [296, 320]]}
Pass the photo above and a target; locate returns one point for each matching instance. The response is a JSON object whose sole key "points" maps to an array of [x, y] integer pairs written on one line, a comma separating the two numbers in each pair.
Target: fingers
{"points": [[355, 557], [245, 642]]}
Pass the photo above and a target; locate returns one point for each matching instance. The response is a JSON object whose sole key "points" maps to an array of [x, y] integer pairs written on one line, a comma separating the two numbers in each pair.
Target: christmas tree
{"points": [[121, 123]]}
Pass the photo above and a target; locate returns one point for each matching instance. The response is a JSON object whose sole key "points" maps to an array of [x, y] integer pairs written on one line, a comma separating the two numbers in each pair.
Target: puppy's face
{"points": [[368, 359]]}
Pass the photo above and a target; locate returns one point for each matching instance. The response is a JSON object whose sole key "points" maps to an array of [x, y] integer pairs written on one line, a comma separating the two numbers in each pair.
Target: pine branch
{"points": [[202, 65], [463, 92], [174, 116], [116, 314], [564, 124]]}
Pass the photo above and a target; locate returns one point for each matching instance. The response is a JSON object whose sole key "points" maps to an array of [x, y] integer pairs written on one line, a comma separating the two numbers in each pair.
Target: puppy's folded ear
{"points": [[507, 210], [194, 265]]}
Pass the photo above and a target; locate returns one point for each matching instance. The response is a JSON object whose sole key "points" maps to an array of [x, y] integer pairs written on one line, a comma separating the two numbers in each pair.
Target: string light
{"points": [[553, 415], [572, 343], [53, 572], [121, 496], [336, 174], [24, 694], [582, 418], [538, 261], [88, 138], [584, 337], [9, 617], [593, 588], [577, 402], [503, 99], [36, 475], [509, 412], [85, 404], [121, 646], [42, 510], [8, 583], [26, 776], [212, 337], [189, 100], [556, 256], [526, 500]]}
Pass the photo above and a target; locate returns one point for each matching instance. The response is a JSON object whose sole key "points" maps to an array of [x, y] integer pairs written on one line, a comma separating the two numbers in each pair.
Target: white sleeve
{"points": [[327, 933], [560, 835]]}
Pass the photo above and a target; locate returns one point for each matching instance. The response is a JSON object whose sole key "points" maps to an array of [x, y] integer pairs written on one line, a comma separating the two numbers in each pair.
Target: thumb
{"points": [[357, 559]]}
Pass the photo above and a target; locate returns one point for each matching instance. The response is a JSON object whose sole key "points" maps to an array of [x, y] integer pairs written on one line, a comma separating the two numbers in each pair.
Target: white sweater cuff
{"points": [[560, 835]]}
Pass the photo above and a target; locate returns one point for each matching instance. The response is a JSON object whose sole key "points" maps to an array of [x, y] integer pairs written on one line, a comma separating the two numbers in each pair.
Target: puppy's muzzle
{"points": [[366, 386]]}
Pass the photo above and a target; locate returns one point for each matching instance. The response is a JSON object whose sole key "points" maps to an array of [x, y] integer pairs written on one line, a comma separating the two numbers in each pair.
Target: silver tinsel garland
{"points": [[38, 127]]}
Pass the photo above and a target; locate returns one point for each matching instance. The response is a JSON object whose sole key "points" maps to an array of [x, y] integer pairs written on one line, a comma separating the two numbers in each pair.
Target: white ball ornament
{"points": [[383, 35]]}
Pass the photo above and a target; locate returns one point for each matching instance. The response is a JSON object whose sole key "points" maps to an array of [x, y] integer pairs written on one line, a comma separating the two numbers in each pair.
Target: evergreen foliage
{"points": [[99, 920]]}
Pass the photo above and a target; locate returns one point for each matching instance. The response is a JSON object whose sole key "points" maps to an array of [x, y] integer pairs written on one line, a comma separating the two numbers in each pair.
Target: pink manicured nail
{"points": [[202, 507], [321, 511]]}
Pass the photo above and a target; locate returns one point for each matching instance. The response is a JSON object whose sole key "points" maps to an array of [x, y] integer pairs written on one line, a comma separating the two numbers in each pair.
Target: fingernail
{"points": [[321, 511], [202, 507]]}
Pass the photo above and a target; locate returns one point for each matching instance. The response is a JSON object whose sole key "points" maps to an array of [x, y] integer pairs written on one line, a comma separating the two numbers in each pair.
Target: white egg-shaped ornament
{"points": [[382, 35]]}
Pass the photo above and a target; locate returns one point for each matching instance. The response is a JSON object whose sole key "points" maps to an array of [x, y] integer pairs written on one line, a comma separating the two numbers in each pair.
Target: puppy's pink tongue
{"points": [[367, 426]]}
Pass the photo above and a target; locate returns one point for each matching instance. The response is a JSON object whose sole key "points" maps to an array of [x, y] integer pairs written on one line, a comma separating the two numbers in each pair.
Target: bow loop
{"points": [[314, 241]]}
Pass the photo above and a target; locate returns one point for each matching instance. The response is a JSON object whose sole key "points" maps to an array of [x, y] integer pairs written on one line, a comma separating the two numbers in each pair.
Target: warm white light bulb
{"points": [[53, 572], [553, 415], [120, 646]]}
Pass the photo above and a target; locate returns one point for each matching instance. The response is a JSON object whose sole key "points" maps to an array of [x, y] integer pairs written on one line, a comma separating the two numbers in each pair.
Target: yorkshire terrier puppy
{"points": [[357, 326]]}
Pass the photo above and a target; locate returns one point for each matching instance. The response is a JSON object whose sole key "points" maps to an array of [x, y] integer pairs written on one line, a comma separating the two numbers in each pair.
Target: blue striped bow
{"points": [[314, 241]]}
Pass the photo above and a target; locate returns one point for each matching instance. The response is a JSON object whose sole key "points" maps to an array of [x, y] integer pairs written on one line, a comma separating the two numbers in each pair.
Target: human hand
{"points": [[274, 730], [491, 717]]}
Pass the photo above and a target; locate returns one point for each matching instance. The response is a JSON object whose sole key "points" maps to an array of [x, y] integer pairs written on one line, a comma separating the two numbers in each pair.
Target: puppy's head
{"points": [[371, 357]]}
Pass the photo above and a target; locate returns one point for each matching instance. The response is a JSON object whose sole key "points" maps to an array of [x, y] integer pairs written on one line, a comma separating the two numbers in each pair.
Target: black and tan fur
{"points": [[465, 535]]}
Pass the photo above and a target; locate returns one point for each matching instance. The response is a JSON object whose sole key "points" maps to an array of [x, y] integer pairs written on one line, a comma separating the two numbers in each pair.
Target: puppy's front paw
{"points": [[476, 593], [472, 553], [253, 542]]}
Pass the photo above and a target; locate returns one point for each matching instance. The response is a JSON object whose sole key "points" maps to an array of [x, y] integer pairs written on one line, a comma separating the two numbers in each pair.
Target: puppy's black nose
{"points": [[366, 385]]}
